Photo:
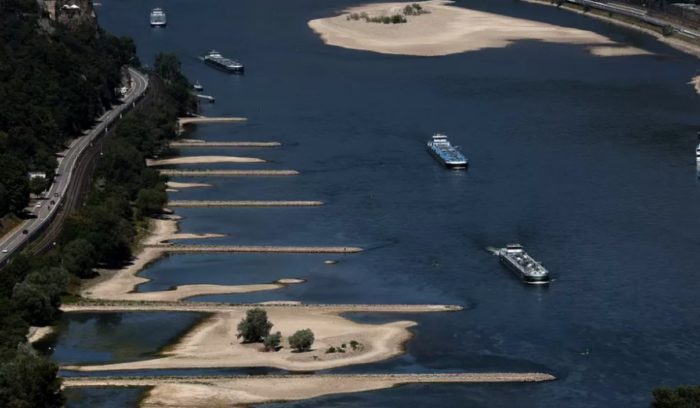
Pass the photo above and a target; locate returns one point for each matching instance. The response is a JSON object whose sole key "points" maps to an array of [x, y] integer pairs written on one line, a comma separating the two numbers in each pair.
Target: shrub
{"points": [[302, 340], [255, 326], [272, 342], [331, 349], [355, 345]]}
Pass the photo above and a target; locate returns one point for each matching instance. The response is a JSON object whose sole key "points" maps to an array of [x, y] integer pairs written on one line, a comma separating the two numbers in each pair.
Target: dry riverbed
{"points": [[447, 29]]}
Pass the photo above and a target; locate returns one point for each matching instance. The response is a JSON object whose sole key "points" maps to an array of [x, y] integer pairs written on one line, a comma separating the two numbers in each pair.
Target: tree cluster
{"points": [[255, 328], [53, 82]]}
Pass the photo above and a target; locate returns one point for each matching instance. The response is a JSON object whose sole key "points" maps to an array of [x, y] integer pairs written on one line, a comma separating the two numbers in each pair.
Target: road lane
{"points": [[17, 239]]}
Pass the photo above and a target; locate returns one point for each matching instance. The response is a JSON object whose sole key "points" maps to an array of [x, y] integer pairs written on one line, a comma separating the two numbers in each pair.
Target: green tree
{"points": [[302, 340], [255, 326], [272, 341], [150, 201], [681, 397], [37, 185], [13, 174], [29, 380], [79, 257], [38, 296]]}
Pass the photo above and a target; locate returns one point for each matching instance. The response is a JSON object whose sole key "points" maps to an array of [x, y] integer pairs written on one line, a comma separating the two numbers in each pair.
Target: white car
{"points": [[4, 251]]}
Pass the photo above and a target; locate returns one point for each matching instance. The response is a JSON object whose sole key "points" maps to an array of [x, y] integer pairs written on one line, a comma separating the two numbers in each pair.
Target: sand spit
{"points": [[246, 390], [120, 284], [696, 83], [37, 333], [242, 203], [448, 30], [226, 173], [203, 143], [256, 248], [202, 160], [213, 343], [178, 185]]}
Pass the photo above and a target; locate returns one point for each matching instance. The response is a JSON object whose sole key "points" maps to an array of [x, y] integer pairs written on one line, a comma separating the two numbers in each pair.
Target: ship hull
{"points": [[521, 275], [224, 68], [447, 164], [159, 24]]}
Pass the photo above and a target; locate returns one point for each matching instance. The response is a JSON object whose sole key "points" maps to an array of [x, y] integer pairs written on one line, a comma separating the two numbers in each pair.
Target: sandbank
{"points": [[696, 83], [247, 390], [213, 343], [120, 284], [179, 185], [449, 30], [37, 333], [202, 160]]}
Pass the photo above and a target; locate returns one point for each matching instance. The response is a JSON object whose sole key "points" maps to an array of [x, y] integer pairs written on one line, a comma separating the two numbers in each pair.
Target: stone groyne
{"points": [[226, 173], [208, 307], [255, 248], [242, 203], [397, 378], [202, 143]]}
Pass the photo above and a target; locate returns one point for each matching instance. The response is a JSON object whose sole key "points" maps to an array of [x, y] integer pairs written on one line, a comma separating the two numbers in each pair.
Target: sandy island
{"points": [[447, 29], [202, 160], [245, 390], [213, 343], [121, 284]]}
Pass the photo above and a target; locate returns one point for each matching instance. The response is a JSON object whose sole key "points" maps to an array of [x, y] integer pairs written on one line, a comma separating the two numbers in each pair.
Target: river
{"points": [[587, 161]]}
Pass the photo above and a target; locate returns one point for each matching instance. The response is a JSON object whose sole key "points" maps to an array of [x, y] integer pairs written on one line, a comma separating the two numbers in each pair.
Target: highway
{"points": [[31, 228]]}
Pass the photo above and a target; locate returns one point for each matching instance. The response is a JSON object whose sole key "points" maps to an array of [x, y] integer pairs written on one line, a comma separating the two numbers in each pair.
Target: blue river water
{"points": [[587, 161]]}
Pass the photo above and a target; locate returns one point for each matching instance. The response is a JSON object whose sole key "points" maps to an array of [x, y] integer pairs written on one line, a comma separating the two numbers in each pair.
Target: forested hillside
{"points": [[54, 80]]}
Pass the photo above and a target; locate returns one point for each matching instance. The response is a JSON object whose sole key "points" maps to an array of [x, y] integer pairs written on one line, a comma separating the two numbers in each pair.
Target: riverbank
{"points": [[627, 22], [246, 390], [446, 29]]}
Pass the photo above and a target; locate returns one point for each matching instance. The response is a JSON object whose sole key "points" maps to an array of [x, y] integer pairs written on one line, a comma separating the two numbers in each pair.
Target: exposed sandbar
{"points": [[246, 390], [202, 160], [213, 343], [179, 185], [120, 284], [37, 333], [447, 29]]}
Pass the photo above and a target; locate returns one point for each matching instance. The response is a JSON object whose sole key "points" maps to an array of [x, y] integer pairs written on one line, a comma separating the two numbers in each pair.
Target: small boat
{"points": [[158, 18], [197, 86]]}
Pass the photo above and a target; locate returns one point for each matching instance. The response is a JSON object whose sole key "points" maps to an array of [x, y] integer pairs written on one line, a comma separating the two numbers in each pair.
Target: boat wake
{"points": [[492, 250]]}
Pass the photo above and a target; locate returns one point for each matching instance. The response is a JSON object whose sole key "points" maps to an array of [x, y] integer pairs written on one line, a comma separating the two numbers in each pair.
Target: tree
{"points": [[38, 296], [29, 380], [37, 185], [150, 201], [79, 257], [302, 340], [255, 327], [681, 397], [272, 342]]}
